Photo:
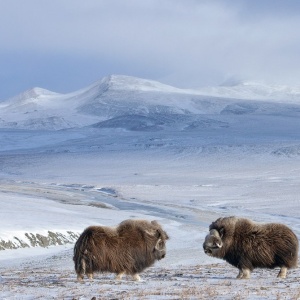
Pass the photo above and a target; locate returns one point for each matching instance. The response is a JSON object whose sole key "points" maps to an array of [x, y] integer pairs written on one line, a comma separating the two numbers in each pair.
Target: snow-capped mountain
{"points": [[116, 101], [255, 90]]}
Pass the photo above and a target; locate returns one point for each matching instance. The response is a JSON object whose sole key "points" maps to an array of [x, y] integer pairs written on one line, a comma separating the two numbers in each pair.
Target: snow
{"points": [[184, 163], [116, 95], [255, 90]]}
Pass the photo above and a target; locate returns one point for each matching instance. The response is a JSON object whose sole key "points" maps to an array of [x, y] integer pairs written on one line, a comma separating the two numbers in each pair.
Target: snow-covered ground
{"points": [[184, 169]]}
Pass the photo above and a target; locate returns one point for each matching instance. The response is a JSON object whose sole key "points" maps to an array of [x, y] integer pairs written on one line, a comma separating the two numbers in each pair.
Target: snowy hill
{"points": [[257, 91], [114, 100]]}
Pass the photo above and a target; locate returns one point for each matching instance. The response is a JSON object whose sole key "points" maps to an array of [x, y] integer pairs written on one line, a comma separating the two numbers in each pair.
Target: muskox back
{"points": [[127, 249], [248, 245]]}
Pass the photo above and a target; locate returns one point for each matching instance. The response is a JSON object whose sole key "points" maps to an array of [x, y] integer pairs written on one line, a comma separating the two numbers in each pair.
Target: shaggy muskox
{"points": [[248, 245], [129, 248]]}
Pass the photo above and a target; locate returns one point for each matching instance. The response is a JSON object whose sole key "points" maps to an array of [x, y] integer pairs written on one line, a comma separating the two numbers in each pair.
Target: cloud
{"points": [[185, 43]]}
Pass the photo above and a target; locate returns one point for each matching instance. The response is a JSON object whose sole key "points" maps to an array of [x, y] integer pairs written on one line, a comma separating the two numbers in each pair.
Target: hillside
{"points": [[110, 102]]}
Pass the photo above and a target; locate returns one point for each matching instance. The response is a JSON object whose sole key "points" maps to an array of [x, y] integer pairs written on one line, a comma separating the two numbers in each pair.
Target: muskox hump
{"points": [[248, 245]]}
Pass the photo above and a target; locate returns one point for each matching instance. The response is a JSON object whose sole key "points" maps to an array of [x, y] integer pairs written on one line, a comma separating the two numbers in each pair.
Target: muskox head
{"points": [[213, 243], [160, 236]]}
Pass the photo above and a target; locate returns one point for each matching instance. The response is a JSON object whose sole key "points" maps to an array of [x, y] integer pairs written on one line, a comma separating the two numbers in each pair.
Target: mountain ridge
{"points": [[121, 96]]}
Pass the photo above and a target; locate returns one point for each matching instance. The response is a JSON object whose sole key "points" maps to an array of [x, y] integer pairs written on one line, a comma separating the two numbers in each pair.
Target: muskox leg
{"points": [[240, 275], [90, 276], [80, 277], [282, 272], [244, 274], [119, 275], [80, 270], [136, 277]]}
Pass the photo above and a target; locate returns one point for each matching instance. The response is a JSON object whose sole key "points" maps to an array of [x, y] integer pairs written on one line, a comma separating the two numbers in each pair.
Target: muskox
{"points": [[248, 245], [129, 248]]}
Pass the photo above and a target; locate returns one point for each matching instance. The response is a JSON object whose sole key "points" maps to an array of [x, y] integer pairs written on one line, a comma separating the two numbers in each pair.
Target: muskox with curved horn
{"points": [[248, 245], [129, 248]]}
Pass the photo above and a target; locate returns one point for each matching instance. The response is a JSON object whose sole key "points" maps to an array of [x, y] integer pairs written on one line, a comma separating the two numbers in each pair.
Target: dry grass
{"points": [[215, 281]]}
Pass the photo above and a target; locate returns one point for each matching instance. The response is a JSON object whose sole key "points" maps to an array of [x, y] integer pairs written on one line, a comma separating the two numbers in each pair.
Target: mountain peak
{"points": [[124, 82], [33, 93], [119, 97]]}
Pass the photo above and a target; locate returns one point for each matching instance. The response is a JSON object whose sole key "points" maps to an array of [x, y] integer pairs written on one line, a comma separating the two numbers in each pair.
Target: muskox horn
{"points": [[221, 232], [159, 245], [214, 232], [153, 232]]}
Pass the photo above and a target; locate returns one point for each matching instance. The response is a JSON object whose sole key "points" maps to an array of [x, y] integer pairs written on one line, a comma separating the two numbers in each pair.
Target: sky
{"points": [[65, 45]]}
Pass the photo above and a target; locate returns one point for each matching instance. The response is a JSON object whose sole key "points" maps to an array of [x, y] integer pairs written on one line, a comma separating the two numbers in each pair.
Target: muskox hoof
{"points": [[282, 273], [90, 276], [244, 274], [79, 277], [136, 277], [119, 276]]}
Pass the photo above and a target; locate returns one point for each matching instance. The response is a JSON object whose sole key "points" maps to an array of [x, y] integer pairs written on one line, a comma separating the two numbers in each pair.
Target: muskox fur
{"points": [[248, 245], [129, 248]]}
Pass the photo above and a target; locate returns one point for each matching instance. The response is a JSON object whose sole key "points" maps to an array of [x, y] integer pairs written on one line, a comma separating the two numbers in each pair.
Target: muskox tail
{"points": [[82, 260]]}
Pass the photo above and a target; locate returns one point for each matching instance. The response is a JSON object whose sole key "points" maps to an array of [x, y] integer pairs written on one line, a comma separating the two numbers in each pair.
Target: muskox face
{"points": [[213, 243], [160, 236], [160, 249]]}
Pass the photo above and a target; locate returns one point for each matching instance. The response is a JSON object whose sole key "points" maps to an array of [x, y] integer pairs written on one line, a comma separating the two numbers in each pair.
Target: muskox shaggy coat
{"points": [[248, 245], [129, 248]]}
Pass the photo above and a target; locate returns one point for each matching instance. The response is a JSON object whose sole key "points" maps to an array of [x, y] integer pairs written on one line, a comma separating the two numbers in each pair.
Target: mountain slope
{"points": [[114, 100], [257, 91]]}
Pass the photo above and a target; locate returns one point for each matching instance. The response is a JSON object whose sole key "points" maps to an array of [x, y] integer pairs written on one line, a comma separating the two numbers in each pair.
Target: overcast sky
{"points": [[65, 45]]}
